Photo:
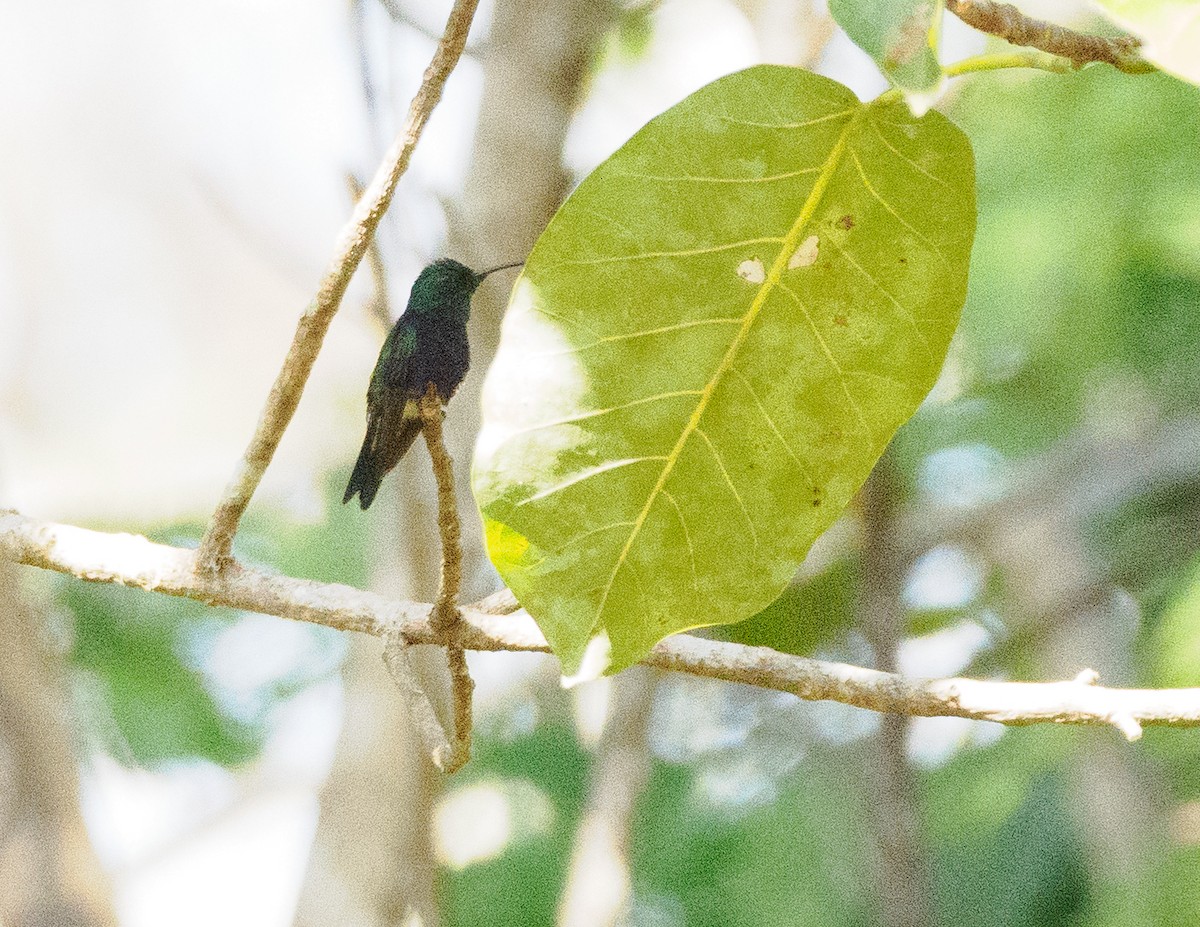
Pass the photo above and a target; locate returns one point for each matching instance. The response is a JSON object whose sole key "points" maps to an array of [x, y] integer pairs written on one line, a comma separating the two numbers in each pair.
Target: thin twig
{"points": [[598, 886], [134, 561], [1007, 22], [310, 331], [429, 729], [379, 308], [446, 617]]}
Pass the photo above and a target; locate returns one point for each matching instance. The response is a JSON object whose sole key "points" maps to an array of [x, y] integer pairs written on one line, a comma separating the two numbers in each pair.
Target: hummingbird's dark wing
{"points": [[391, 431], [393, 416]]}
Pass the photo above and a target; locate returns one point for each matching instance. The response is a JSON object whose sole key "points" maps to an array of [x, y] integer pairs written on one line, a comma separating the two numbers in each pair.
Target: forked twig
{"points": [[449, 750], [446, 617], [352, 244]]}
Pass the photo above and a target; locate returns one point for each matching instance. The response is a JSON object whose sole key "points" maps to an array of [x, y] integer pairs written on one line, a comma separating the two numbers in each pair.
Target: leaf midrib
{"points": [[791, 241]]}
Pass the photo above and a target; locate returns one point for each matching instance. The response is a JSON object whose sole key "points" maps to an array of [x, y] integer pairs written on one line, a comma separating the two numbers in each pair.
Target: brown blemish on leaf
{"points": [[841, 320], [846, 222], [910, 38]]}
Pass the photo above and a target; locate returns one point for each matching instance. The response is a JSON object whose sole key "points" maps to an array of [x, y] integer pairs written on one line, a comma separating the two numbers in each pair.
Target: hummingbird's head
{"points": [[445, 287]]}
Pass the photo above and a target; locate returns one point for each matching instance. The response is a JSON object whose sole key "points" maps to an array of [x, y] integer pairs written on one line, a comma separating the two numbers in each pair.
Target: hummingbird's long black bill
{"points": [[482, 274]]}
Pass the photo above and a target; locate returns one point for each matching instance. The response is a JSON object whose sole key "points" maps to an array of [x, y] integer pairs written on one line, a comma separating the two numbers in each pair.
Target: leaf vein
{"points": [[907, 160], [729, 482], [687, 536], [650, 255], [907, 313], [586, 534], [692, 178], [833, 361], [596, 413], [789, 244], [585, 475], [771, 423], [937, 252], [787, 125], [609, 339]]}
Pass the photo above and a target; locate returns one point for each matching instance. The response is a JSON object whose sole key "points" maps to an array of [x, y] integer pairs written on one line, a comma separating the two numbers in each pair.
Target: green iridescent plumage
{"points": [[427, 345]]}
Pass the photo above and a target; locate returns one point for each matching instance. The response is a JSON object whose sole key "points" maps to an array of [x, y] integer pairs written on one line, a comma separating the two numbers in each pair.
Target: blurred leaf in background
{"points": [[1086, 266], [164, 679], [1007, 848], [711, 868], [899, 35], [142, 703], [524, 883], [811, 612]]}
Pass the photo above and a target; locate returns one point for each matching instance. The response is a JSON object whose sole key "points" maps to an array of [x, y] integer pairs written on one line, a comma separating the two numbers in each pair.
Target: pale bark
{"points": [[904, 879], [135, 561], [49, 874]]}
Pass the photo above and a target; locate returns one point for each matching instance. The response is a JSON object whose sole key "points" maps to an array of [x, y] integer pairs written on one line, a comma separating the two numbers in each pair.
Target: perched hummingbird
{"points": [[428, 344]]}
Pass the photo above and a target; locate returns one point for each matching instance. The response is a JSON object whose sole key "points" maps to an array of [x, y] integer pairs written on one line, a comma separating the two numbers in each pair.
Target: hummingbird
{"points": [[427, 345]]}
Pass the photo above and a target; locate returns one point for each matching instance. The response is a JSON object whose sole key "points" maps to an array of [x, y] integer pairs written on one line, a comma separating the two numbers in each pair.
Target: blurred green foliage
{"points": [[743, 869], [146, 691], [524, 884], [899, 35], [152, 707], [1086, 267], [810, 613]]}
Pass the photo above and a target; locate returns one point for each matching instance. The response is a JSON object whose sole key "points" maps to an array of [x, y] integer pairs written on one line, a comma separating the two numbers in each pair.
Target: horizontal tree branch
{"points": [[132, 560]]}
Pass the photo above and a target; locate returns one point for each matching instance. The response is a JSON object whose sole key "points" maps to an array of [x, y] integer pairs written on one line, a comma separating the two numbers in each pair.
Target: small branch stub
{"points": [[449, 750]]}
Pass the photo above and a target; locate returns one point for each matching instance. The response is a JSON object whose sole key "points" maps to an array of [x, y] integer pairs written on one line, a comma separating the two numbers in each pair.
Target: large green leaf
{"points": [[900, 35], [709, 348], [1170, 29]]}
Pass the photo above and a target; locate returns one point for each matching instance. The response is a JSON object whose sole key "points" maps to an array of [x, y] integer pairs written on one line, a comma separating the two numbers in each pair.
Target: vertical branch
{"points": [[310, 331], [599, 885], [445, 607], [49, 872], [446, 617], [906, 893]]}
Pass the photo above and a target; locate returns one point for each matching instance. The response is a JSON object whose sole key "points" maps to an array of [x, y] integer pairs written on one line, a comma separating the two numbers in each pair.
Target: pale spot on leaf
{"points": [[806, 254], [752, 270]]}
